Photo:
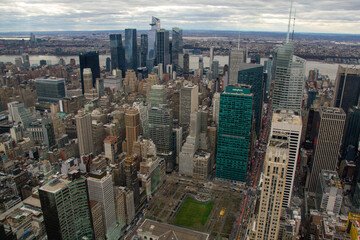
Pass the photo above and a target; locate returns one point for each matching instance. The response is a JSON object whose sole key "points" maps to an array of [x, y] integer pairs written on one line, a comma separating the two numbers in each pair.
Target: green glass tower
{"points": [[65, 206], [234, 137]]}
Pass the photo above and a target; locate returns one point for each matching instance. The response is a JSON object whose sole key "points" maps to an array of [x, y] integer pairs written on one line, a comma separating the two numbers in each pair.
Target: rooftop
{"points": [[286, 116], [168, 232]]}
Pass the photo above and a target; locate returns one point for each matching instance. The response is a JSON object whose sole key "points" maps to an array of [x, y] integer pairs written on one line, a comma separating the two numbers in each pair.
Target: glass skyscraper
{"points": [[130, 49], [252, 74], [151, 56], [65, 206], [143, 49], [234, 136], [162, 48], [89, 60], [177, 46], [117, 53], [50, 89]]}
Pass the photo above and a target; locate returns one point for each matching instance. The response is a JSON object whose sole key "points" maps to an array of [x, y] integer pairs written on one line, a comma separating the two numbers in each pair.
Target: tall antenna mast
{"points": [[239, 41], [292, 38], [288, 32]]}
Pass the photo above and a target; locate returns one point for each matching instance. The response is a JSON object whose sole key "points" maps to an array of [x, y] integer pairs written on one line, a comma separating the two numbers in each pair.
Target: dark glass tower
{"points": [[186, 65], [234, 137], [162, 46], [252, 74], [352, 128], [117, 53], [143, 49], [347, 88], [89, 60], [130, 49], [177, 46]]}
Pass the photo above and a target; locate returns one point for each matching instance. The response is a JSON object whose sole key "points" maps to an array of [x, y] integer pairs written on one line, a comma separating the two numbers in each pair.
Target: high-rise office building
{"points": [[108, 64], [234, 136], [87, 76], [130, 49], [186, 65], [288, 123], [50, 89], [162, 48], [65, 208], [276, 159], [84, 133], [189, 102], [177, 46], [89, 60], [132, 181], [268, 65], [157, 95], [235, 59], [252, 74], [211, 54], [133, 128], [152, 50], [143, 49], [130, 82], [97, 219], [347, 88], [329, 131], [100, 188], [289, 79], [117, 53], [215, 69]]}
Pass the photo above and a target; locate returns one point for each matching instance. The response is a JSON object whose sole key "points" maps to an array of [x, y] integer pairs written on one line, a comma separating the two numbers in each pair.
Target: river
{"points": [[324, 68]]}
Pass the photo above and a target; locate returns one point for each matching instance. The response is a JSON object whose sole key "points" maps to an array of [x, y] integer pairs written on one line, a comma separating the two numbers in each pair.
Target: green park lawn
{"points": [[193, 214]]}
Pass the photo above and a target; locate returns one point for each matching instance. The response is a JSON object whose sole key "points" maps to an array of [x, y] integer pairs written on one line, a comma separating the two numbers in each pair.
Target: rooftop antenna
{"points": [[239, 41], [292, 38], [288, 32]]}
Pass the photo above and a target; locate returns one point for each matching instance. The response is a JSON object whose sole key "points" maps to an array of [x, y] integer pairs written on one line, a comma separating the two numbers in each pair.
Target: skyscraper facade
{"points": [[347, 88], [186, 65], [189, 102], [65, 207], [289, 124], [352, 129], [143, 49], [289, 79], [235, 59], [84, 133], [152, 34], [100, 188], [234, 136], [89, 60], [162, 46], [268, 219], [130, 49], [117, 53], [252, 74], [50, 89], [327, 143], [132, 126], [177, 46]]}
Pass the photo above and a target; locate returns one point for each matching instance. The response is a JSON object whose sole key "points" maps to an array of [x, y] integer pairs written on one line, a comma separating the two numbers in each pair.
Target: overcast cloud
{"points": [[330, 16]]}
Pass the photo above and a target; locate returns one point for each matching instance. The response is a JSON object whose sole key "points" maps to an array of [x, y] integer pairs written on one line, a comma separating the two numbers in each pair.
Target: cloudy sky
{"points": [[326, 16]]}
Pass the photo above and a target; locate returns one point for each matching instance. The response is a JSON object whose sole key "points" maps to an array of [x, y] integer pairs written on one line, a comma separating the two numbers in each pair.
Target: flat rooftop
{"points": [[55, 185], [286, 116], [168, 232]]}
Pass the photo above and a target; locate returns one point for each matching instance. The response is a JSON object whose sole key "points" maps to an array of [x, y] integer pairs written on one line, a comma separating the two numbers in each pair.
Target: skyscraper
{"points": [[130, 49], [186, 64], [211, 54], [289, 79], [177, 46], [234, 136], [50, 89], [235, 59], [132, 125], [100, 188], [215, 69], [84, 133], [151, 56], [65, 207], [189, 102], [347, 88], [252, 74], [117, 53], [162, 48], [352, 129], [89, 60], [327, 143], [276, 159], [289, 124], [143, 49]]}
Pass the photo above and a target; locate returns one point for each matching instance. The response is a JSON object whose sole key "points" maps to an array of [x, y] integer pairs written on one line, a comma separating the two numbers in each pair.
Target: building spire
{"points": [[288, 32], [292, 38], [239, 42]]}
